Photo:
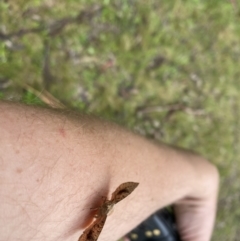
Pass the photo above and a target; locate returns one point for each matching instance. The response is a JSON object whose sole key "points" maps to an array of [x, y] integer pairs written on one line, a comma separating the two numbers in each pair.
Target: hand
{"points": [[196, 215]]}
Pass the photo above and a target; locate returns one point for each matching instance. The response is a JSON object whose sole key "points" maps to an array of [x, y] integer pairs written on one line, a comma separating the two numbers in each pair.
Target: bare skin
{"points": [[56, 165]]}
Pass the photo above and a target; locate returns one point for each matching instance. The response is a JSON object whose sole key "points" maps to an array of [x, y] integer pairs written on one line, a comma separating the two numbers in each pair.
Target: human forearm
{"points": [[58, 165]]}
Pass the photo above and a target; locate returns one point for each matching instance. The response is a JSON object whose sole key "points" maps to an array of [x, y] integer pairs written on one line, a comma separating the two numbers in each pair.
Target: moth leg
{"points": [[104, 198], [94, 208]]}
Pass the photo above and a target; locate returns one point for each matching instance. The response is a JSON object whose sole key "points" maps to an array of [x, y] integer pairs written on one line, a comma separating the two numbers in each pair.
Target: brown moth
{"points": [[93, 231]]}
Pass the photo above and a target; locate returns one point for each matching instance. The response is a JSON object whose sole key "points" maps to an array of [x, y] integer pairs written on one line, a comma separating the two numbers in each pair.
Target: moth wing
{"points": [[123, 191], [93, 231]]}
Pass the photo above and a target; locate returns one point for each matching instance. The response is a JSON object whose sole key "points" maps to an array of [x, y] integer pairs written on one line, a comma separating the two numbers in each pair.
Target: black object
{"points": [[158, 227]]}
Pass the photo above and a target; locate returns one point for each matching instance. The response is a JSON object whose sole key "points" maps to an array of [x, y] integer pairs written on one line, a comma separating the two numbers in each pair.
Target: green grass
{"points": [[166, 69]]}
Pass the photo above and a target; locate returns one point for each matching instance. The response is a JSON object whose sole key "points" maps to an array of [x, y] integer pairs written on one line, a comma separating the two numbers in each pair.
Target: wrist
{"points": [[206, 179]]}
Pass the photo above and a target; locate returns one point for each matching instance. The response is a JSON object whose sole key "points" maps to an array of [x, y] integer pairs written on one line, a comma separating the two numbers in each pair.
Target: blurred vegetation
{"points": [[165, 69]]}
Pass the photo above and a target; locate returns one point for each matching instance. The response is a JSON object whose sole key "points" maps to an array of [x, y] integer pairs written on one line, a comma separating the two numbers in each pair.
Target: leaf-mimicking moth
{"points": [[92, 232]]}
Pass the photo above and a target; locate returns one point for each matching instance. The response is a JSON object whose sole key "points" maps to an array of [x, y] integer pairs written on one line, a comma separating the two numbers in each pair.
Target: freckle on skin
{"points": [[62, 132], [19, 170]]}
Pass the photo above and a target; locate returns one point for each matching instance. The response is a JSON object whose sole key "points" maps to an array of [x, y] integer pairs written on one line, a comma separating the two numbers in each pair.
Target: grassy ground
{"points": [[166, 69]]}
